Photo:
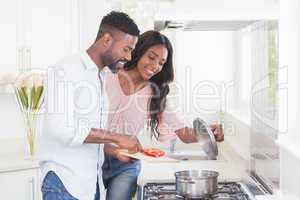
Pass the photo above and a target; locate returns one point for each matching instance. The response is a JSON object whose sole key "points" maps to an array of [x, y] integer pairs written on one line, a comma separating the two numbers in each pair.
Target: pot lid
{"points": [[204, 132]]}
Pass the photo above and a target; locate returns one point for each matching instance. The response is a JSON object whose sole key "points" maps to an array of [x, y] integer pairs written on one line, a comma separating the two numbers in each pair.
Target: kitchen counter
{"points": [[229, 164], [12, 156], [15, 163]]}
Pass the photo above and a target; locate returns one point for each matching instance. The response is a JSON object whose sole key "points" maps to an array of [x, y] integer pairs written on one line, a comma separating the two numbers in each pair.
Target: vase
{"points": [[29, 92], [31, 137]]}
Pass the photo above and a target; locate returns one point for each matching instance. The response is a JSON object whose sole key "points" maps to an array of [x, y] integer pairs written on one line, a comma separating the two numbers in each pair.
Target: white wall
{"points": [[289, 37], [208, 60], [204, 64]]}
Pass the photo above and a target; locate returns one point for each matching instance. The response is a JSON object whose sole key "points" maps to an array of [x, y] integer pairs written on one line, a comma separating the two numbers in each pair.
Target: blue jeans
{"points": [[54, 189], [120, 179]]}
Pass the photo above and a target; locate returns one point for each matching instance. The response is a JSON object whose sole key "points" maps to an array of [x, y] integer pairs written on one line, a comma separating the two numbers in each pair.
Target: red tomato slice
{"points": [[154, 152]]}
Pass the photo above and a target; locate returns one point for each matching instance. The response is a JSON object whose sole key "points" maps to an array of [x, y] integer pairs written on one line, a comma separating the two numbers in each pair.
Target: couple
{"points": [[78, 129]]}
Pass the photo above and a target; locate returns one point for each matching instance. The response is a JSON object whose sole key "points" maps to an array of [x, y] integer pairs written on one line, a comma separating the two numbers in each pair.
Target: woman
{"points": [[138, 94]]}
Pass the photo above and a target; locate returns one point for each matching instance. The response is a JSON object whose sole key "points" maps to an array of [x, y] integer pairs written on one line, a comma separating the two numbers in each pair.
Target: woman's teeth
{"points": [[149, 72]]}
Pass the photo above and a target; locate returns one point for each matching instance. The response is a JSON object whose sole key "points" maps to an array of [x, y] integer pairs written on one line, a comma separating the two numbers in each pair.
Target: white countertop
{"points": [[14, 163], [12, 156], [229, 164]]}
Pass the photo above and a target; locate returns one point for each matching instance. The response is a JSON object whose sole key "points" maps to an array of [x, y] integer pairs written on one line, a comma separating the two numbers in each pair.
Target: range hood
{"points": [[195, 25]]}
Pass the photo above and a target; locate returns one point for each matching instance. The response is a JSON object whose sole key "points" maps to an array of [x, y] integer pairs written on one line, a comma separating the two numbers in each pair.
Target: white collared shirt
{"points": [[75, 103]]}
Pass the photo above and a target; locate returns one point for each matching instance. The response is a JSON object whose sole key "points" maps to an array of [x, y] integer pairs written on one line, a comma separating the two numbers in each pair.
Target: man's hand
{"points": [[218, 132], [123, 158], [114, 151], [129, 142]]}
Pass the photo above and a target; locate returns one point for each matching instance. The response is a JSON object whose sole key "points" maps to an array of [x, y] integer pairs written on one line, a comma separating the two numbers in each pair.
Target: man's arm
{"points": [[129, 142], [69, 127]]}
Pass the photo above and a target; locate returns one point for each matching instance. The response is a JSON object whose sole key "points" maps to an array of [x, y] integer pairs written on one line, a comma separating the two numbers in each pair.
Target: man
{"points": [[71, 145]]}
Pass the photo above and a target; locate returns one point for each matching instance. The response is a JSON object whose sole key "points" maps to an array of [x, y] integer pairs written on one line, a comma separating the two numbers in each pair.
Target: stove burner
{"points": [[166, 191]]}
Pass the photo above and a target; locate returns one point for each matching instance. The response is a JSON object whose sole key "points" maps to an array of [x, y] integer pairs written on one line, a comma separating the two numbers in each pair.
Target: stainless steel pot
{"points": [[206, 138], [196, 184]]}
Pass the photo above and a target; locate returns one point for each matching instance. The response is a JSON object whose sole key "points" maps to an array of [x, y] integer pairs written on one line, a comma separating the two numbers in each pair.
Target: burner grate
{"points": [[166, 191]]}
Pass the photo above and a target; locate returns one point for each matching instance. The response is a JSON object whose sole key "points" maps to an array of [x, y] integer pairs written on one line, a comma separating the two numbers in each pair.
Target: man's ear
{"points": [[107, 39]]}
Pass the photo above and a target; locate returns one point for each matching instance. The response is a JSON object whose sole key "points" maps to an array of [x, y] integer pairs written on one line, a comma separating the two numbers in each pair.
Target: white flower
{"points": [[28, 81], [20, 81], [37, 80]]}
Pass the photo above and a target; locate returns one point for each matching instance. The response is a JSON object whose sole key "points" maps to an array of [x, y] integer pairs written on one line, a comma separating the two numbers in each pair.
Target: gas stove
{"points": [[166, 191]]}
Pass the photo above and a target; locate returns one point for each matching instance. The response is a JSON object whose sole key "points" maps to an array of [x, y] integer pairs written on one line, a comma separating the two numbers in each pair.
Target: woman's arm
{"points": [[171, 122], [188, 135]]}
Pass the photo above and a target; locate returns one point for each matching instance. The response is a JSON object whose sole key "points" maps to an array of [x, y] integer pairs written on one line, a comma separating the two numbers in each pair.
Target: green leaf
{"points": [[32, 94], [38, 91], [23, 97]]}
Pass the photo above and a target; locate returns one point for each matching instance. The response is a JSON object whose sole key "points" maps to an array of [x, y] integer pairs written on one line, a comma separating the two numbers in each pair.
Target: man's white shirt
{"points": [[75, 102]]}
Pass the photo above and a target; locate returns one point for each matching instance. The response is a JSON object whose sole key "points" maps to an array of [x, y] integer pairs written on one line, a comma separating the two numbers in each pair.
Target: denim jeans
{"points": [[54, 189], [120, 179]]}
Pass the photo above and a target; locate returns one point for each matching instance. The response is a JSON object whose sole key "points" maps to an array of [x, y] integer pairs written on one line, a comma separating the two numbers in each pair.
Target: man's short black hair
{"points": [[117, 21]]}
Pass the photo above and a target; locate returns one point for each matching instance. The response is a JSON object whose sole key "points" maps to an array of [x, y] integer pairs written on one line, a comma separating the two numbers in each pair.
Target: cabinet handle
{"points": [[23, 57], [27, 58], [18, 59]]}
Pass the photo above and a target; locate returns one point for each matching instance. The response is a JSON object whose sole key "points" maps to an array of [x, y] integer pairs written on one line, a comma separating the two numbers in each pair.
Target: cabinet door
{"points": [[52, 31], [20, 185], [8, 39]]}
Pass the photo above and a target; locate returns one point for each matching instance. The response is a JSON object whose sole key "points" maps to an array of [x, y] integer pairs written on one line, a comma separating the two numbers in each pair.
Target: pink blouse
{"points": [[129, 114]]}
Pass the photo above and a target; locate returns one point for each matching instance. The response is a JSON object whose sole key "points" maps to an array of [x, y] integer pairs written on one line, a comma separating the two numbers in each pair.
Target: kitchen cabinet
{"points": [[35, 34], [20, 184], [51, 31], [8, 41]]}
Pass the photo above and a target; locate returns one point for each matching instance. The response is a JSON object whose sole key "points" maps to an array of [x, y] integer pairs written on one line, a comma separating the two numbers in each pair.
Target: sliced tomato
{"points": [[154, 152]]}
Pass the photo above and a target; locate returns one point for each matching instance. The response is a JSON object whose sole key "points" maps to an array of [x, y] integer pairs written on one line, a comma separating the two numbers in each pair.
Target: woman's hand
{"points": [[218, 132], [188, 135]]}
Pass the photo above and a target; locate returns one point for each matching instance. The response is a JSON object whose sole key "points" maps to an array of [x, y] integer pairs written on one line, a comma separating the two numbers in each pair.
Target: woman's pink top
{"points": [[129, 114]]}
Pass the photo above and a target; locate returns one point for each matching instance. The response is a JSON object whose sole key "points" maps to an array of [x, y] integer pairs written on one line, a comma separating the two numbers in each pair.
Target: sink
{"points": [[189, 155]]}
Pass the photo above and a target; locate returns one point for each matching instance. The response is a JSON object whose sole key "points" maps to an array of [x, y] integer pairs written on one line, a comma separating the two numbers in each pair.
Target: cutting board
{"points": [[143, 157]]}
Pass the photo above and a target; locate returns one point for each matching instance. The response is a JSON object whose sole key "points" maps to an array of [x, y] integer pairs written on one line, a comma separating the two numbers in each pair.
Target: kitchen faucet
{"points": [[172, 145]]}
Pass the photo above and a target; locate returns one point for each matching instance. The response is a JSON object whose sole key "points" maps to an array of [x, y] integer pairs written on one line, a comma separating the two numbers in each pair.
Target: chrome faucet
{"points": [[172, 145]]}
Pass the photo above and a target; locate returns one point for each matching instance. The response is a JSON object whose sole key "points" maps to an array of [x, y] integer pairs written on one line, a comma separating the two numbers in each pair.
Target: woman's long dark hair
{"points": [[160, 81]]}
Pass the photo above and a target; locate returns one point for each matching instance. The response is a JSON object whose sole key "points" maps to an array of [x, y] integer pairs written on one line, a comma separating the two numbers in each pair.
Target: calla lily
{"points": [[29, 91], [28, 81]]}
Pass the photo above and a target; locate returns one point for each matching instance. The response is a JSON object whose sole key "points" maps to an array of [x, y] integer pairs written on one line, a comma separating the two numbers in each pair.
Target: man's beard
{"points": [[116, 66], [111, 63]]}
